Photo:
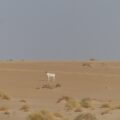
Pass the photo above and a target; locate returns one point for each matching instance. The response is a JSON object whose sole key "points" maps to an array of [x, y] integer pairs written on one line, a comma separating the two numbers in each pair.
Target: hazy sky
{"points": [[60, 29]]}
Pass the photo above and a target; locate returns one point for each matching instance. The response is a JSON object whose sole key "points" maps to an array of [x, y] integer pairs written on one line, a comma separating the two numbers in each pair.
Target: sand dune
{"points": [[25, 83]]}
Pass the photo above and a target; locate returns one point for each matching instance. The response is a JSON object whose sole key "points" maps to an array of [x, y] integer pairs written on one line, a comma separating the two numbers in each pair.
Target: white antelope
{"points": [[50, 76]]}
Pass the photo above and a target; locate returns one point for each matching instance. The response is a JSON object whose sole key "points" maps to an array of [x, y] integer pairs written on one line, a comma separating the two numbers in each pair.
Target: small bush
{"points": [[72, 104], [85, 102], [47, 86], [4, 96], [86, 65], [6, 113], [58, 85], [37, 88], [24, 101], [117, 107], [51, 86], [64, 98], [86, 116], [105, 112], [25, 108], [106, 105], [45, 115]]}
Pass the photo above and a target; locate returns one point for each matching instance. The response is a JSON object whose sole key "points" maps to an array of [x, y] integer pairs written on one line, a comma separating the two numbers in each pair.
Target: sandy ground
{"points": [[23, 81]]}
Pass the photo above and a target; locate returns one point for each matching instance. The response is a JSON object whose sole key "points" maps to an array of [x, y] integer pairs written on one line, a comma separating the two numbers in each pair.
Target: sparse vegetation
{"points": [[70, 103], [86, 116], [6, 113], [85, 102], [64, 98], [105, 105], [24, 101], [37, 88], [51, 86], [48, 86], [86, 65], [105, 112], [58, 85], [117, 107], [25, 108], [45, 115], [4, 96]]}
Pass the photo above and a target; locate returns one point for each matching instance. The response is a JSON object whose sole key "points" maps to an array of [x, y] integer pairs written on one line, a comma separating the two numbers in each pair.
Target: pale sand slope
{"points": [[23, 80]]}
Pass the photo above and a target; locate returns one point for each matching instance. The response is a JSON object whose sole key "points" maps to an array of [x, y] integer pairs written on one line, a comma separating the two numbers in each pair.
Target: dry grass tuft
{"points": [[86, 116], [4, 96], [64, 98], [51, 86], [105, 105], [25, 108], [37, 88], [23, 101], [105, 112], [7, 113], [70, 103], [48, 86], [45, 115], [85, 102], [58, 85], [117, 107], [86, 64]]}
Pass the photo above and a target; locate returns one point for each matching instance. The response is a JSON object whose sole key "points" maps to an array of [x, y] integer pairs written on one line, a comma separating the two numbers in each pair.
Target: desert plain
{"points": [[82, 90]]}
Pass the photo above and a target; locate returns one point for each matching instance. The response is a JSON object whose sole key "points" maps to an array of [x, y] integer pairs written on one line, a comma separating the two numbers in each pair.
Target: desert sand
{"points": [[81, 87]]}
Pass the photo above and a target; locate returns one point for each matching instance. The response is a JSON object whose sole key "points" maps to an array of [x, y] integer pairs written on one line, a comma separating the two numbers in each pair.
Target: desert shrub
{"points": [[117, 107], [85, 102], [51, 86], [105, 112], [86, 65], [37, 88], [58, 85], [86, 116], [72, 104], [23, 101], [105, 105], [25, 108], [6, 113], [4, 96], [64, 98], [48, 86], [45, 115]]}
